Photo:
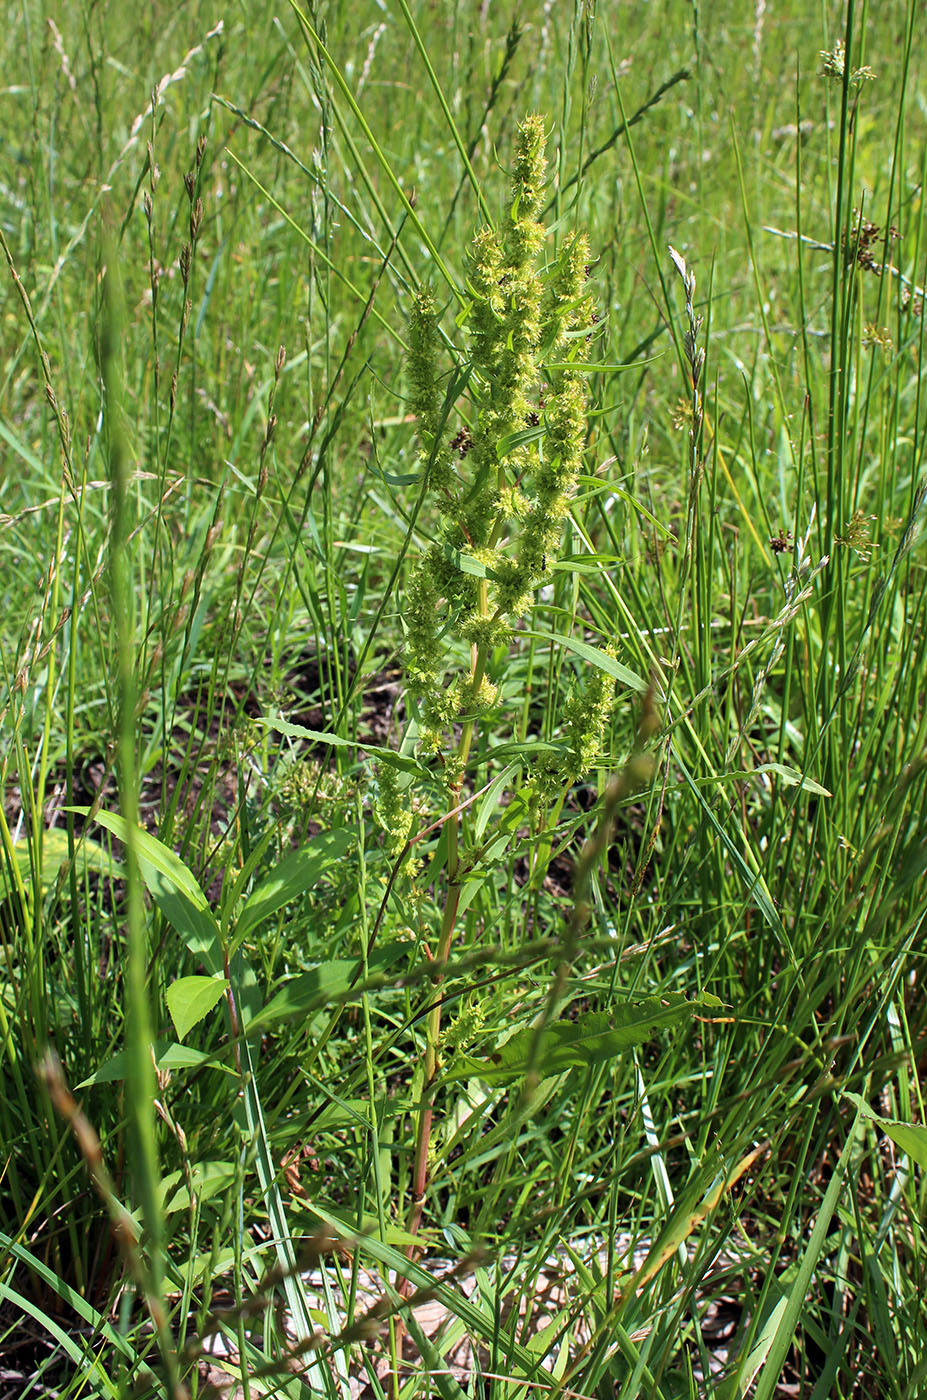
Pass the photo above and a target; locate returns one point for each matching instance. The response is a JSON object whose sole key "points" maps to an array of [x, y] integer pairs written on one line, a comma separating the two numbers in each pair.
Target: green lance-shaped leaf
{"points": [[910, 1137], [89, 856], [295, 874], [174, 889], [590, 1040]]}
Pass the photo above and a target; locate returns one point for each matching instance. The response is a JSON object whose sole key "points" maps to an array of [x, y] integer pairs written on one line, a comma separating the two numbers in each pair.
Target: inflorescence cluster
{"points": [[501, 515]]}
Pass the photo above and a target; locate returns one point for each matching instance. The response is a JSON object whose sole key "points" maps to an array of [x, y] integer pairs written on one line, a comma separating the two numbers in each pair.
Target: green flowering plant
{"points": [[502, 488], [501, 520]]}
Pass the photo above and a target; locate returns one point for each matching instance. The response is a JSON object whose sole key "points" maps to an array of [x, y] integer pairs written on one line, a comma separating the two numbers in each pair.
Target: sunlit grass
{"points": [[212, 508]]}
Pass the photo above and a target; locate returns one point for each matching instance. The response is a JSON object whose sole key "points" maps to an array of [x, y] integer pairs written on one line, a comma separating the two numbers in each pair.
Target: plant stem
{"points": [[448, 923]]}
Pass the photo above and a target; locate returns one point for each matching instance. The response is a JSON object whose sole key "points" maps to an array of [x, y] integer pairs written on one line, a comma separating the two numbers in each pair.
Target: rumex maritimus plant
{"points": [[501, 520]]}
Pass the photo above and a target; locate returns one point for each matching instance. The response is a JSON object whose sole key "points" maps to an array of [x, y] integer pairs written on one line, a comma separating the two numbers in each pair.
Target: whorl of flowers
{"points": [[503, 484], [391, 810], [585, 719]]}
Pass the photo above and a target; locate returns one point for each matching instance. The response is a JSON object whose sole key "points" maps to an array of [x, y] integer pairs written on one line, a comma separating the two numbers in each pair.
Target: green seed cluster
{"points": [[391, 810], [585, 719], [503, 485], [466, 1026]]}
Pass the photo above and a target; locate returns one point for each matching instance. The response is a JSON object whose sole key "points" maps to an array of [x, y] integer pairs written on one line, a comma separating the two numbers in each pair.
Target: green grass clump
{"points": [[463, 735]]}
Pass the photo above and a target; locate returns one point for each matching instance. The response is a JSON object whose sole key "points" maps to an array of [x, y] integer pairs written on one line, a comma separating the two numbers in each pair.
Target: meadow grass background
{"points": [[205, 545]]}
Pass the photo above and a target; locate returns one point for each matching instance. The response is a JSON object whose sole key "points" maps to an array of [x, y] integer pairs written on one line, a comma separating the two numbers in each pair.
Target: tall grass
{"points": [[258, 1086]]}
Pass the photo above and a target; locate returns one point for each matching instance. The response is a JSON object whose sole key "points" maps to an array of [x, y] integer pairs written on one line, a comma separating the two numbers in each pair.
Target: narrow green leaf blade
{"points": [[446, 1384], [403, 762], [329, 981], [89, 856], [167, 1055], [789, 1318], [174, 889], [600, 659], [590, 1040], [295, 874], [910, 1137], [792, 777]]}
